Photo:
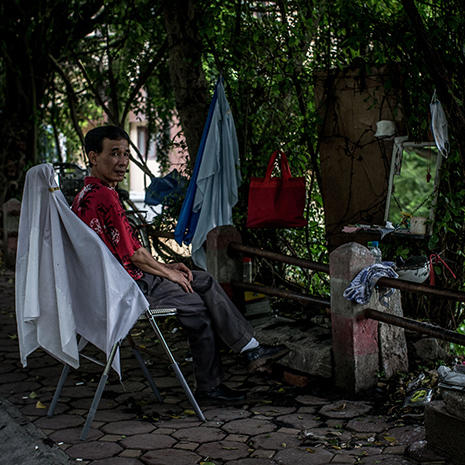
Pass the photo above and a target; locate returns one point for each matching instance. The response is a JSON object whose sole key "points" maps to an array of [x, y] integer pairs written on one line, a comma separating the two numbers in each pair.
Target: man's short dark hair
{"points": [[94, 138]]}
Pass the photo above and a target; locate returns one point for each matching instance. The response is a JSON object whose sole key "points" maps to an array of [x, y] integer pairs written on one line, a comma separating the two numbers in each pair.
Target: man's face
{"points": [[111, 163]]}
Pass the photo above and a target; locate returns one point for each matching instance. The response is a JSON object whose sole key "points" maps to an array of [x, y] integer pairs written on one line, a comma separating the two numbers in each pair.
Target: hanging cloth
{"points": [[187, 221], [439, 126], [68, 283], [217, 179]]}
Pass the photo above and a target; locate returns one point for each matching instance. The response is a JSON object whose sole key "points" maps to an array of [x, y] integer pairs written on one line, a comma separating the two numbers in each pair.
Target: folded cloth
{"points": [[361, 287]]}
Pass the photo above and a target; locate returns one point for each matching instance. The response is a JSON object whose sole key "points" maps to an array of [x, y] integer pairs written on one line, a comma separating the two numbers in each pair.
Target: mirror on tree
{"points": [[413, 183]]}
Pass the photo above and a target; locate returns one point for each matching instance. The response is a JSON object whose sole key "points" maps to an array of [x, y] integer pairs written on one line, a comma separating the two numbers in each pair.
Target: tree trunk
{"points": [[185, 63]]}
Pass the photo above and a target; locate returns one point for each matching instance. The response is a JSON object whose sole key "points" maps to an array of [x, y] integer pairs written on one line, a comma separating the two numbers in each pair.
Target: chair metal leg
{"points": [[56, 396], [98, 393], [146, 372], [177, 370]]}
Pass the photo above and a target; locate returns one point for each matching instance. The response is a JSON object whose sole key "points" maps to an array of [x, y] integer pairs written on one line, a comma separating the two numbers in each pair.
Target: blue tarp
{"points": [[165, 190]]}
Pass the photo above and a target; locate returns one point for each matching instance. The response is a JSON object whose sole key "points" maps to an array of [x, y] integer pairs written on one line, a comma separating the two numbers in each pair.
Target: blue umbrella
{"points": [[212, 190]]}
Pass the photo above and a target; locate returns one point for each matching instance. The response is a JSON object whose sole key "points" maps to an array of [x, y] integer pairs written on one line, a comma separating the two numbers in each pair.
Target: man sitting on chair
{"points": [[203, 308]]}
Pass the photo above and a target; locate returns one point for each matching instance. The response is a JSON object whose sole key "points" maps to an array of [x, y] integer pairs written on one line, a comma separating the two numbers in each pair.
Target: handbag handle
{"points": [[285, 171]]}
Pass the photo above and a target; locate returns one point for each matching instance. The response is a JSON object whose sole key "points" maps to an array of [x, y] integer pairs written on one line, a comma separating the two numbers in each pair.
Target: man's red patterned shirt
{"points": [[98, 205]]}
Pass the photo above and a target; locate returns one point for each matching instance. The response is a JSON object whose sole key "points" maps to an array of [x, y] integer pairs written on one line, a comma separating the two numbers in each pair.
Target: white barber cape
{"points": [[68, 283]]}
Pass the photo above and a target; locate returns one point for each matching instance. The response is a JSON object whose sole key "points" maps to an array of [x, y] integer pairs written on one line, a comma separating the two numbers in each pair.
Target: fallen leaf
{"points": [[310, 450], [32, 395], [390, 439], [39, 404], [189, 411]]}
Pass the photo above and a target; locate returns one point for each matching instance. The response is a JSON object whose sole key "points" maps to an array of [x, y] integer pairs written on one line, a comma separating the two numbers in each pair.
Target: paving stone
{"points": [[406, 434], [224, 450], [309, 456], [299, 421], [307, 409], [226, 414], [111, 437], [311, 400], [367, 424], [186, 445], [117, 461], [94, 450], [112, 415], [254, 461], [200, 434], [274, 441], [395, 450], [32, 410], [179, 423], [339, 458], [72, 435], [79, 392], [171, 457], [249, 426], [86, 403], [59, 421], [272, 410], [148, 441], [237, 437], [135, 453], [165, 430], [263, 453], [19, 387], [316, 436], [386, 460], [128, 386], [345, 409], [128, 427], [13, 377], [332, 423]]}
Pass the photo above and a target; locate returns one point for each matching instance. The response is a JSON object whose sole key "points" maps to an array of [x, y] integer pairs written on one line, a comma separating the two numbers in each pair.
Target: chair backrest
{"points": [[68, 283]]}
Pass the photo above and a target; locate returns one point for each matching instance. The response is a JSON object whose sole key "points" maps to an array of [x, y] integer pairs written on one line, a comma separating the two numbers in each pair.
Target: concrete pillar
{"points": [[362, 347], [355, 339], [10, 210], [223, 268]]}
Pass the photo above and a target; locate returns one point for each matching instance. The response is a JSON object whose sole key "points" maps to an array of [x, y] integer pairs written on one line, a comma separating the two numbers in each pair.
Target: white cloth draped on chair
{"points": [[67, 281]]}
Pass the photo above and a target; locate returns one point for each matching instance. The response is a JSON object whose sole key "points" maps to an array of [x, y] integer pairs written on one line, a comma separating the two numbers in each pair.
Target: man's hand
{"points": [[182, 268], [176, 272], [180, 276]]}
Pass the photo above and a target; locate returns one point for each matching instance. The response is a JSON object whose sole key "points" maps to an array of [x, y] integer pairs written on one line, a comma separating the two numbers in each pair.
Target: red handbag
{"points": [[277, 202]]}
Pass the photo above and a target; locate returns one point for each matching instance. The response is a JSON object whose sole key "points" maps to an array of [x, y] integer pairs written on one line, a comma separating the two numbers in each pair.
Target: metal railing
{"points": [[408, 286]]}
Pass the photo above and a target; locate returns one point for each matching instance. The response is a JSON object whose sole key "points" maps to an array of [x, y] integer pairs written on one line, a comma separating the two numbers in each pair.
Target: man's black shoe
{"points": [[221, 393], [262, 354]]}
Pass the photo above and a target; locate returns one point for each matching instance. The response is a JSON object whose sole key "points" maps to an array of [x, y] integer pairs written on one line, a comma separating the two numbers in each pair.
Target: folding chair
{"points": [[151, 314], [69, 284]]}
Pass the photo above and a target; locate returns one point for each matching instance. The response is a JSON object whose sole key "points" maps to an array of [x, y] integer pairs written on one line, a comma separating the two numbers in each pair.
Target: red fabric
{"points": [[98, 205], [276, 201]]}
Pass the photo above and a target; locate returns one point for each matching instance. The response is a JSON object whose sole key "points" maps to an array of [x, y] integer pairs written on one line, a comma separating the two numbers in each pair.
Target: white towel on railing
{"points": [[361, 287]]}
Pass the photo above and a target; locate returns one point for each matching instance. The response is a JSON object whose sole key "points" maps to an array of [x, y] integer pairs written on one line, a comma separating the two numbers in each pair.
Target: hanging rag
{"points": [[68, 283], [361, 287], [439, 126]]}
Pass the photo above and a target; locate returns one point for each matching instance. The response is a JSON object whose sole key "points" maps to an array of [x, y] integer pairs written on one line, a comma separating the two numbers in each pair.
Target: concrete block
{"points": [[445, 432]]}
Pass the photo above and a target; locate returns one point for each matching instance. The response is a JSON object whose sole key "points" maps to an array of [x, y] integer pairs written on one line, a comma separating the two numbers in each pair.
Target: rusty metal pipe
{"points": [[418, 326], [421, 288], [306, 299], [303, 263]]}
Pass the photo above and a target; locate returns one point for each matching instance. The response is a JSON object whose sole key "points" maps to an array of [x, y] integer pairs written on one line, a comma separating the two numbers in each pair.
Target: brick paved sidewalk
{"points": [[278, 424]]}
